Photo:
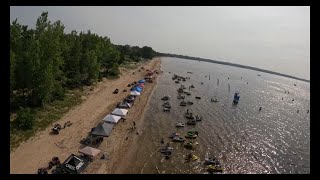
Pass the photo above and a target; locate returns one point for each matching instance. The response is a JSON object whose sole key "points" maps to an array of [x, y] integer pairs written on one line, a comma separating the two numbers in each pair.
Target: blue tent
{"points": [[139, 89], [142, 81]]}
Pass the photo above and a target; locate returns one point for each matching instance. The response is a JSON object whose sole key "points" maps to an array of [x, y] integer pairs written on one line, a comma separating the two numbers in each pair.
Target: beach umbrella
{"points": [[142, 81], [120, 112], [134, 93], [111, 119], [90, 151]]}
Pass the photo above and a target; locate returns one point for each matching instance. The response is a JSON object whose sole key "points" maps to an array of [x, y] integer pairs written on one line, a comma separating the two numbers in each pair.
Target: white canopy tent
{"points": [[135, 93], [119, 112], [111, 119]]}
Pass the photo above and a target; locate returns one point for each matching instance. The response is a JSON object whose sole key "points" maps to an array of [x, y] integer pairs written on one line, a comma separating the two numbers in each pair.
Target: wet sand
{"points": [[39, 150]]}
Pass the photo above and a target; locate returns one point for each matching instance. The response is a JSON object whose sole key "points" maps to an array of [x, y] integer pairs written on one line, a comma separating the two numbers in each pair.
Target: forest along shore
{"points": [[39, 150]]}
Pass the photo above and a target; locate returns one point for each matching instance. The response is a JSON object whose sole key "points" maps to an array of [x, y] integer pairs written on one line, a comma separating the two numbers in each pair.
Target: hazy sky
{"points": [[272, 38]]}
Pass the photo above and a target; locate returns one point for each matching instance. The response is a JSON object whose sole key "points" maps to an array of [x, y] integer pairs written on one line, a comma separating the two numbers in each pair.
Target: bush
{"points": [[25, 119]]}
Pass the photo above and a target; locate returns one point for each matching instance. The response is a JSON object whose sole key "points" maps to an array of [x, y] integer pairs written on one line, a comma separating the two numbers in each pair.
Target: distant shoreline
{"points": [[231, 64]]}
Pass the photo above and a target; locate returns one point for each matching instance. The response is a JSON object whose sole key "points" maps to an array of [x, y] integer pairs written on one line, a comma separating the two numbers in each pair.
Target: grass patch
{"points": [[129, 65], [44, 118]]}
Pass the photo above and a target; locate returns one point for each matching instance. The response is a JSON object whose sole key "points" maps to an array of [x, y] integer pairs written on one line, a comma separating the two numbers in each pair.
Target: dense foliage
{"points": [[45, 61], [25, 119]]}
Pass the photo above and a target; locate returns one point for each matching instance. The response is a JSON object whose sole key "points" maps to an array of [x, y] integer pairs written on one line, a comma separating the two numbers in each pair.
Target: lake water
{"points": [[244, 140]]}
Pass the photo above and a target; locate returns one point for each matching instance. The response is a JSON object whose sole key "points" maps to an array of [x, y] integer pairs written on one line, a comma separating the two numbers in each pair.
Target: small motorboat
{"points": [[189, 102], [189, 116], [193, 136], [191, 122], [190, 145], [174, 135], [180, 124], [198, 118], [182, 86], [165, 98], [236, 98], [193, 132], [166, 151], [215, 168], [167, 148], [191, 157], [166, 103], [197, 97], [214, 100], [180, 90], [213, 161], [183, 103], [166, 109], [177, 82], [167, 106], [178, 139], [181, 97]]}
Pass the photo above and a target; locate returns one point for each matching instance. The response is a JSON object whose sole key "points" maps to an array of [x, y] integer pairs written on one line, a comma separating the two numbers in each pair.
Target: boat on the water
{"points": [[198, 118], [190, 145], [214, 168], [193, 132], [189, 116], [180, 124], [166, 109], [236, 98], [198, 97], [214, 100], [189, 102], [165, 98], [183, 103], [178, 139], [210, 160], [191, 122], [193, 136], [172, 135]]}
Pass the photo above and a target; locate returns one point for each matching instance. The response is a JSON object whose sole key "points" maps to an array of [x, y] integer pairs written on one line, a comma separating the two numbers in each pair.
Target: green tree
{"points": [[25, 120]]}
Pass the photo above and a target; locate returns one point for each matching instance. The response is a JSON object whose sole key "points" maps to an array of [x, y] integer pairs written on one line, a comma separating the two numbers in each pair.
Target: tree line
{"points": [[46, 61]]}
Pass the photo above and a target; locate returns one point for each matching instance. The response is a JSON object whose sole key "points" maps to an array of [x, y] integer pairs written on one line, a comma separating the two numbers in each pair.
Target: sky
{"points": [[271, 37]]}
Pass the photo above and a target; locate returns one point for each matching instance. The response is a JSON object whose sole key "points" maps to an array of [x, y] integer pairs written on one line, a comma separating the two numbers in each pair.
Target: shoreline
{"points": [[39, 149]]}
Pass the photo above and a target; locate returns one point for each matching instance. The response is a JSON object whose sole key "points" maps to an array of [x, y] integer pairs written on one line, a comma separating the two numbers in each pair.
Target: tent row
{"points": [[75, 164], [104, 129]]}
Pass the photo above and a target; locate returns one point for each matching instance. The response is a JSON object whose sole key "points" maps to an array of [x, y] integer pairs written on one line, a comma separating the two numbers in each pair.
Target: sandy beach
{"points": [[39, 150]]}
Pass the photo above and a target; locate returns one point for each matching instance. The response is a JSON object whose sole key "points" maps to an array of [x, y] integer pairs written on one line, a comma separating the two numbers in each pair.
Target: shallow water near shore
{"points": [[244, 140]]}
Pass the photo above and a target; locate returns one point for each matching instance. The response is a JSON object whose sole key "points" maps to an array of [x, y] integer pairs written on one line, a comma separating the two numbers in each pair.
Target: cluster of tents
{"points": [[110, 120], [75, 164]]}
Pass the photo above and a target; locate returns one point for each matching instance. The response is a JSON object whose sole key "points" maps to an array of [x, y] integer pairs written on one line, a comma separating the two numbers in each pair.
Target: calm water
{"points": [[275, 140]]}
